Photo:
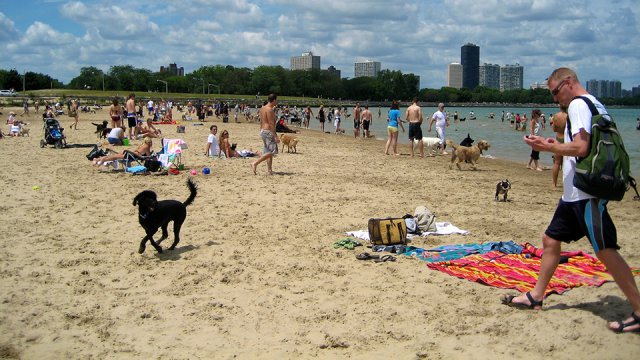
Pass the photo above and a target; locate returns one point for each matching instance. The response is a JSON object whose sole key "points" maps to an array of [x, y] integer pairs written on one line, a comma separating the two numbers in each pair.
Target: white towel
{"points": [[443, 228]]}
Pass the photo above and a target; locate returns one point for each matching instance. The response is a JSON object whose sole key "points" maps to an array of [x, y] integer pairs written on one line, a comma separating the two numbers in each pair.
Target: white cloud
{"points": [[419, 36]]}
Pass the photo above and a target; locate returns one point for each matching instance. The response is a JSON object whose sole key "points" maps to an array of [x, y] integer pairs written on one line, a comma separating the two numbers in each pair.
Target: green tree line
{"points": [[388, 85]]}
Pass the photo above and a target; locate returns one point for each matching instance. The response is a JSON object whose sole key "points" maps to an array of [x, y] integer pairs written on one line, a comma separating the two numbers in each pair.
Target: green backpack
{"points": [[604, 172]]}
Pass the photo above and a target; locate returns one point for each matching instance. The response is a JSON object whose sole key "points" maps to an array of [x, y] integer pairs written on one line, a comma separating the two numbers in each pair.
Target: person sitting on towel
{"points": [[143, 150]]}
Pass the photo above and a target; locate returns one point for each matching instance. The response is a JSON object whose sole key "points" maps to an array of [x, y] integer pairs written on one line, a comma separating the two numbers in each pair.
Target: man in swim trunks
{"points": [[367, 119], [131, 114], [268, 134], [414, 117], [356, 120]]}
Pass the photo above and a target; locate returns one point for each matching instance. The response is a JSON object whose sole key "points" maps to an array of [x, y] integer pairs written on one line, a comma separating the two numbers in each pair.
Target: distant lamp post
{"points": [[209, 88], [166, 85], [201, 79]]}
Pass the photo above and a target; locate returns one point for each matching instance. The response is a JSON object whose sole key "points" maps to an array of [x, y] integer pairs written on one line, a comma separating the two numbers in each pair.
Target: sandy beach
{"points": [[256, 274]]}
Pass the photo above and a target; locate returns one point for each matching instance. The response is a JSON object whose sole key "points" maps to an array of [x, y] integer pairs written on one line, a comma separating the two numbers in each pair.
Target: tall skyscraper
{"points": [[366, 68], [173, 69], [470, 59], [331, 70], [605, 88], [454, 75], [490, 76], [511, 77], [306, 61]]}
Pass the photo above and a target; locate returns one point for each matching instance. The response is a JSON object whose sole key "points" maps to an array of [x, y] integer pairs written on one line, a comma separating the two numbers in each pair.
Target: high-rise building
{"points": [[454, 75], [331, 70], [470, 60], [306, 61], [173, 69], [366, 68], [511, 77], [490, 75], [605, 88]]}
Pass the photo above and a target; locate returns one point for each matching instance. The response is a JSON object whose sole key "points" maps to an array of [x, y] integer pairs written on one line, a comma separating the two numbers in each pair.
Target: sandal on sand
{"points": [[386, 258], [623, 325], [367, 256], [508, 300]]}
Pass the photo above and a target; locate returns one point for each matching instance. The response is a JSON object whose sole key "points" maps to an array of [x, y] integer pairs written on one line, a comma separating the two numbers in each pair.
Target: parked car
{"points": [[8, 93]]}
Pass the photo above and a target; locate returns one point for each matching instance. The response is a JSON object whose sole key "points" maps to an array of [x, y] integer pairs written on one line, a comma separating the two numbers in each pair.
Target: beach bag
{"points": [[389, 231], [425, 218], [604, 172]]}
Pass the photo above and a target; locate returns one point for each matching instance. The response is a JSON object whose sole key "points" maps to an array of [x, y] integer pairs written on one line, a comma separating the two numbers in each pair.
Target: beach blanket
{"points": [[454, 252], [443, 228], [520, 271]]}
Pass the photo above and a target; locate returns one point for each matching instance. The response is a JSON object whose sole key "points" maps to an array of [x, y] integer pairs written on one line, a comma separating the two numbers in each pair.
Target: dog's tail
{"points": [[452, 144], [193, 189]]}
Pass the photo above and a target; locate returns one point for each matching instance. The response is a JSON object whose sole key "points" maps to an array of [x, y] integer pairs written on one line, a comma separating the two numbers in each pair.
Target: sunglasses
{"points": [[556, 90]]}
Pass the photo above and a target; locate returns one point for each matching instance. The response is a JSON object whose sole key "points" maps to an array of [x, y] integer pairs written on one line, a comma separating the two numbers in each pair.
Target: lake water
{"points": [[506, 143]]}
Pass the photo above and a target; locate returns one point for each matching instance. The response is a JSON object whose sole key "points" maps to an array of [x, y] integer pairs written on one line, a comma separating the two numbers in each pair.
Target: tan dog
{"points": [[24, 131], [289, 141], [469, 154]]}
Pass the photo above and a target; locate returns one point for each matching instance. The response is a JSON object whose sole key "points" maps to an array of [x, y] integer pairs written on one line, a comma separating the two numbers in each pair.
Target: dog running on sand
{"points": [[502, 188], [467, 153], [154, 214]]}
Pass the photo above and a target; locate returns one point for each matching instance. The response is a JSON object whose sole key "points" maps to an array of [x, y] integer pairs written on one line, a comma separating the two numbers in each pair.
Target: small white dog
{"points": [[431, 144]]}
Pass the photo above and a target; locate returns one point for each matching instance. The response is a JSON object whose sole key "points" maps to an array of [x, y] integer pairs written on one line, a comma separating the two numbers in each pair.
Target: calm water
{"points": [[506, 143]]}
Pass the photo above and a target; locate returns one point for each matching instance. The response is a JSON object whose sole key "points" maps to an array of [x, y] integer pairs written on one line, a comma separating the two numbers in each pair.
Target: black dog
{"points": [[503, 187], [468, 141], [154, 214], [102, 130]]}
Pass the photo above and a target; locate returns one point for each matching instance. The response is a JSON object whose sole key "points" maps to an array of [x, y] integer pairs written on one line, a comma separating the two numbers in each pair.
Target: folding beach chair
{"points": [[171, 155]]}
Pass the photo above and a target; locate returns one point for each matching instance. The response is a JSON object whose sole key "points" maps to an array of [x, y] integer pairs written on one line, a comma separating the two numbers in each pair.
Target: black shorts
{"points": [[415, 131], [535, 155], [365, 124], [131, 121], [590, 218]]}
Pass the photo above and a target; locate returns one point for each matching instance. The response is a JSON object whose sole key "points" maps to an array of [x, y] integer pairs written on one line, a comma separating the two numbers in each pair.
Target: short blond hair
{"points": [[563, 73], [148, 141]]}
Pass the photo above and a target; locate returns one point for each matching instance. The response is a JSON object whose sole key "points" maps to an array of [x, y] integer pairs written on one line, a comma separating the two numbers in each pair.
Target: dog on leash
{"points": [[289, 141], [431, 144], [502, 188], [102, 130], [154, 214], [467, 153]]}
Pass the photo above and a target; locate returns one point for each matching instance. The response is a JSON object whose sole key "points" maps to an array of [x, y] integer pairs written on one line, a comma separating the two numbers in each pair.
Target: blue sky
{"points": [[600, 39]]}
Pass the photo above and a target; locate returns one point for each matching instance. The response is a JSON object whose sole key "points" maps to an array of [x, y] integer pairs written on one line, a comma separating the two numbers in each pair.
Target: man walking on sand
{"points": [[578, 214], [131, 114], [367, 119], [268, 134], [414, 117], [441, 120], [356, 121]]}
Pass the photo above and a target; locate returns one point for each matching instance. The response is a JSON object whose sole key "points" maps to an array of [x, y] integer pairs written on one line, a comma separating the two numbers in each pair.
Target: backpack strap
{"points": [[592, 108]]}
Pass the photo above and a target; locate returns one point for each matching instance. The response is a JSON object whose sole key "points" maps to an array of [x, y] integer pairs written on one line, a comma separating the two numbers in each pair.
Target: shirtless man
{"points": [[356, 121], [367, 119], [268, 134], [131, 113], [414, 117]]}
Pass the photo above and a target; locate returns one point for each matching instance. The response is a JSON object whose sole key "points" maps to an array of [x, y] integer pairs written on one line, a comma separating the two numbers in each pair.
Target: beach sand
{"points": [[256, 275]]}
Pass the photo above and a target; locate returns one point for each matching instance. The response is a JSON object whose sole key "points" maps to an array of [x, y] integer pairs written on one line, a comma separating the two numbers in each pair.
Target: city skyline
{"points": [[59, 37]]}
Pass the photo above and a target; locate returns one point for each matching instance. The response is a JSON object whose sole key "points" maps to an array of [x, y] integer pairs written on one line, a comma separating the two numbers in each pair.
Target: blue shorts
{"points": [[114, 141], [590, 218]]}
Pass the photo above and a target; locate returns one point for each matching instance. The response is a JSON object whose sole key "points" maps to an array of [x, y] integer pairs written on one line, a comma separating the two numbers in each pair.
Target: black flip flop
{"points": [[508, 300], [386, 258], [367, 256]]}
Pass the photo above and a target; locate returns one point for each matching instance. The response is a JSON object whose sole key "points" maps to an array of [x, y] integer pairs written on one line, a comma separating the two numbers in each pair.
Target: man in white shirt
{"points": [[441, 120], [213, 146], [578, 214]]}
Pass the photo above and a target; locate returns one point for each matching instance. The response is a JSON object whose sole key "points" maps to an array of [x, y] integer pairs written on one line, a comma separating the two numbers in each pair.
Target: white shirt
{"points": [[150, 104], [115, 133], [441, 119], [580, 117], [214, 149]]}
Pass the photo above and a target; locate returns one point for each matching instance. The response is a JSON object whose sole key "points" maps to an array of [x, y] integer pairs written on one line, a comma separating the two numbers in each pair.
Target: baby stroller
{"points": [[53, 134]]}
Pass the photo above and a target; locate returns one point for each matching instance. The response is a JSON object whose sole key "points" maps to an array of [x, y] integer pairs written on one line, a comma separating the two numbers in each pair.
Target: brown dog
{"points": [[289, 141], [469, 154]]}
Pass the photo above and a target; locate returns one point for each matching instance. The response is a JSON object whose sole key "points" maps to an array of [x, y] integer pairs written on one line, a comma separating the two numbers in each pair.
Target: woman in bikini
{"points": [[115, 112], [225, 146], [143, 150]]}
